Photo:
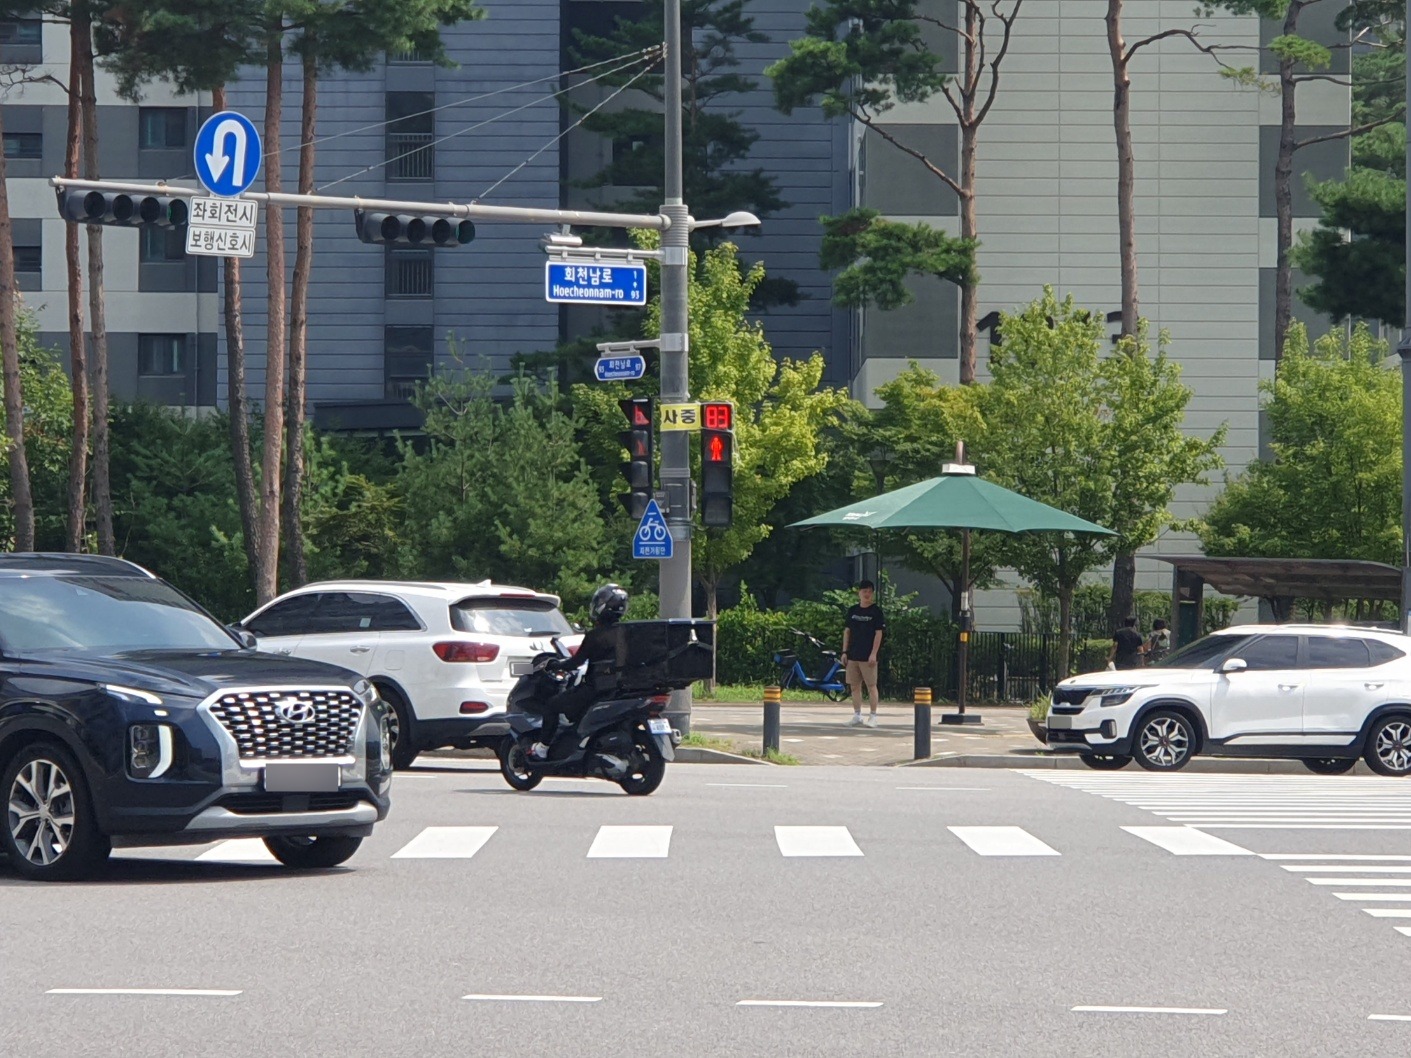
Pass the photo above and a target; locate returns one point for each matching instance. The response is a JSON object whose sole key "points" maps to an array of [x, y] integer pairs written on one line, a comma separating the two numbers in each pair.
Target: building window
{"points": [[29, 267], [24, 146], [161, 354], [22, 31], [408, 356], [161, 128], [410, 273], [159, 245], [411, 132]]}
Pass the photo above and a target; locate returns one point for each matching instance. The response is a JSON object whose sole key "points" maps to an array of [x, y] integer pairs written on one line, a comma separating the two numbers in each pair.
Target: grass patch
{"points": [[752, 693], [700, 741], [772, 756]]}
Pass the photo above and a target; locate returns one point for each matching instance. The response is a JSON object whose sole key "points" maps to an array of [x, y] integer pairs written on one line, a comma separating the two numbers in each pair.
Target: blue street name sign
{"points": [[620, 368], [227, 153], [595, 284], [653, 538]]}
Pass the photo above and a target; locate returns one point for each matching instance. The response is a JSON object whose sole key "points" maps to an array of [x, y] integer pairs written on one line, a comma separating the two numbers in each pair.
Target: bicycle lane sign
{"points": [[653, 538]]}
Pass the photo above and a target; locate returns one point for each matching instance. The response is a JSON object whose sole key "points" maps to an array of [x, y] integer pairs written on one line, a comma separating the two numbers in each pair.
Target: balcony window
{"points": [[411, 57], [161, 128], [161, 354], [21, 41], [408, 357], [411, 132], [160, 245], [24, 146], [29, 267], [410, 274]]}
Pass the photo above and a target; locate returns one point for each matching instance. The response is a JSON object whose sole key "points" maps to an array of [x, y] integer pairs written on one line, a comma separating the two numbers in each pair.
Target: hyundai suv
{"points": [[130, 716], [443, 656], [1325, 695]]}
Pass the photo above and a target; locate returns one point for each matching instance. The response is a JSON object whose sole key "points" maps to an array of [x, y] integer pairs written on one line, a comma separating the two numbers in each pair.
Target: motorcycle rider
{"points": [[607, 607]]}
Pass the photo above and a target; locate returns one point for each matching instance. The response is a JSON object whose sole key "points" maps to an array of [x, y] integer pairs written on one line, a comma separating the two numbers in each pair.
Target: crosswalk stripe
{"points": [[445, 843], [238, 850], [1387, 912], [1379, 882], [1002, 841], [631, 843], [1327, 856], [1397, 897], [816, 841], [1183, 841], [1405, 931], [1329, 868]]}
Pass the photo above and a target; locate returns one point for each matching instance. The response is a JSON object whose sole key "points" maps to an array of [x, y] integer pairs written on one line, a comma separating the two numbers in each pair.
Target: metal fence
{"points": [[1002, 666], [410, 155]]}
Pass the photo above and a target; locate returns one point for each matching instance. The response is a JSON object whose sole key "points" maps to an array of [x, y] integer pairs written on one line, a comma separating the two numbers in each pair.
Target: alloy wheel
{"points": [[1393, 746], [1165, 742], [41, 812]]}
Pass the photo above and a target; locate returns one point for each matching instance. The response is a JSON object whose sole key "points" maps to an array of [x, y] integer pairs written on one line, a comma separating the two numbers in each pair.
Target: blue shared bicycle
{"points": [[792, 674]]}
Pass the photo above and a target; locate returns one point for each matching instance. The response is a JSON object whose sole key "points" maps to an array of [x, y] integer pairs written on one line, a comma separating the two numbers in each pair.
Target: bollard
{"points": [[921, 700], [772, 695]]}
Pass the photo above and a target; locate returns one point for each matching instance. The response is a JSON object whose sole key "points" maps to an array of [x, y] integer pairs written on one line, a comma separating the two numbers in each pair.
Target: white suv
{"points": [[444, 656], [1325, 695]]}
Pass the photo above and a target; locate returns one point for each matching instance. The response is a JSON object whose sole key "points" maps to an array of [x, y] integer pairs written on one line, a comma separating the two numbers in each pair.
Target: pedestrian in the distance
{"points": [[1158, 644], [1127, 647], [862, 638]]}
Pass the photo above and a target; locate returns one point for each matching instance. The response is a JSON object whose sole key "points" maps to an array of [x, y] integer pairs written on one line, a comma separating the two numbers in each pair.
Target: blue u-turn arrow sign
{"points": [[228, 153]]}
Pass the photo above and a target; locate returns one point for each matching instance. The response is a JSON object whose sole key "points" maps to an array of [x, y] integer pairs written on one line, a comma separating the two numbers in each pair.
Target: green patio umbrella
{"points": [[958, 499]]}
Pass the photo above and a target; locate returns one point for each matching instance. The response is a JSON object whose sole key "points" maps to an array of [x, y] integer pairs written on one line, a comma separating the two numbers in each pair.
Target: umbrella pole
{"points": [[964, 618]]}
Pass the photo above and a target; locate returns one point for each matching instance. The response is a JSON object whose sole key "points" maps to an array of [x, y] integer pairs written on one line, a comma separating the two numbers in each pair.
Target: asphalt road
{"points": [[955, 913]]}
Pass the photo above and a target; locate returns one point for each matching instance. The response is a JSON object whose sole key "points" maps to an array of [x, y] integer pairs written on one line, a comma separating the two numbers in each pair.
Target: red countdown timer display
{"points": [[718, 415]]}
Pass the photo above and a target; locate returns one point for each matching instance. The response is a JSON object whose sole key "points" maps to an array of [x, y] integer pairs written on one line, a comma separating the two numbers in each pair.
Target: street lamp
{"points": [[739, 219]]}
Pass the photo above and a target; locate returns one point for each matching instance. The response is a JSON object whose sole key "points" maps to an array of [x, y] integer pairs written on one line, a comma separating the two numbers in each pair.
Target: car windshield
{"points": [[509, 617], [102, 615], [1200, 654]]}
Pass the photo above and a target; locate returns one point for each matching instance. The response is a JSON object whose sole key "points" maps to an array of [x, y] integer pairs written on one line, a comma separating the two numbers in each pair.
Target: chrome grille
{"points": [[253, 721]]}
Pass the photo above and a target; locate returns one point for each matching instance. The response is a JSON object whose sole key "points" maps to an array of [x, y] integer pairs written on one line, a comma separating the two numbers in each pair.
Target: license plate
{"points": [[659, 727], [1060, 723], [521, 668], [302, 776]]}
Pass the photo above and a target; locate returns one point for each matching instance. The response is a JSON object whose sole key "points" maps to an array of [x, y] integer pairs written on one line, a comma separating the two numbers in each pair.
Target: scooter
{"points": [[623, 737]]}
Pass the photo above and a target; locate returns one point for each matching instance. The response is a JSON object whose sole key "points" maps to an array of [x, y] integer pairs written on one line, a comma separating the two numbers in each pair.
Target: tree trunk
{"points": [[267, 570], [1283, 192], [299, 329], [1126, 166], [1065, 631], [969, 226], [20, 496], [98, 361], [78, 350], [1124, 581], [235, 394]]}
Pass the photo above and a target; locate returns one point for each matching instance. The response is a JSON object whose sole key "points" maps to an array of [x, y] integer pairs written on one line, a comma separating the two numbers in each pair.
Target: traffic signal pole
{"points": [[675, 572]]}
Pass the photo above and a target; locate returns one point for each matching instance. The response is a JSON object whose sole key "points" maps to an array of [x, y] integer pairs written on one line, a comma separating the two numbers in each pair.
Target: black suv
{"points": [[130, 716]]}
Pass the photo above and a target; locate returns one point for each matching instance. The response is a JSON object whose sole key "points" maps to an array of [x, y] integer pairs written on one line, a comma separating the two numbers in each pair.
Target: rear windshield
{"points": [[509, 617], [1202, 653]]}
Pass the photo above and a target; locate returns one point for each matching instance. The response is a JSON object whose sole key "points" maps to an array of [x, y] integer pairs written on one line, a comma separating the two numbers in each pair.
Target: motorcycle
{"points": [[623, 736]]}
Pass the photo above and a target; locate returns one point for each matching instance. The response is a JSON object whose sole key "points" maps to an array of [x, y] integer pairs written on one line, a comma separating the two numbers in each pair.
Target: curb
{"points": [[701, 755], [1067, 762]]}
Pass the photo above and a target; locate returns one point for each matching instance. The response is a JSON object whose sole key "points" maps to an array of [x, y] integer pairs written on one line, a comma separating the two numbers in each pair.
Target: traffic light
{"points": [[717, 464], [402, 229], [122, 210], [638, 442]]}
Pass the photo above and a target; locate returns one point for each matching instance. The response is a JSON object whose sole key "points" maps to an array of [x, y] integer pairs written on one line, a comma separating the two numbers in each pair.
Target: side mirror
{"points": [[245, 636], [1233, 665]]}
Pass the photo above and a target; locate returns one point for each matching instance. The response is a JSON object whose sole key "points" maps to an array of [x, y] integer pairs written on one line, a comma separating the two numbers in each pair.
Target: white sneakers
{"points": [[538, 751], [858, 721], [872, 720]]}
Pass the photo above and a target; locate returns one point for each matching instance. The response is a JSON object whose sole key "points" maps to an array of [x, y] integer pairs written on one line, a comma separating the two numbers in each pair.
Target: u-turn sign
{"points": [[227, 153]]}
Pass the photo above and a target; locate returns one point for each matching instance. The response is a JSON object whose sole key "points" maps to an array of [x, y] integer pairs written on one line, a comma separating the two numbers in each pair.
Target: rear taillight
{"points": [[471, 708], [476, 653], [657, 703]]}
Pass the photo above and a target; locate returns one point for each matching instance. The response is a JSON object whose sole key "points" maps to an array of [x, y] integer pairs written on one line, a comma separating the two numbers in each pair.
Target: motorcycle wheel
{"points": [[514, 766], [648, 766]]}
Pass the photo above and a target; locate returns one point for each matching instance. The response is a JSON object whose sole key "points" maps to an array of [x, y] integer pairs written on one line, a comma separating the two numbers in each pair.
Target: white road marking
{"points": [[1304, 826], [816, 841], [1149, 1010], [487, 998], [806, 1003], [1332, 868], [968, 789], [1389, 1017], [793, 740], [1183, 841], [1379, 882], [754, 785], [445, 843], [1400, 898], [631, 843], [1319, 856], [239, 850], [143, 992], [1002, 841], [1387, 912], [1405, 931]]}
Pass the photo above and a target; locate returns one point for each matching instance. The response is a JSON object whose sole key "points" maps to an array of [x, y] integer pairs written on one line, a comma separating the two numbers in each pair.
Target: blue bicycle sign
{"points": [[652, 538]]}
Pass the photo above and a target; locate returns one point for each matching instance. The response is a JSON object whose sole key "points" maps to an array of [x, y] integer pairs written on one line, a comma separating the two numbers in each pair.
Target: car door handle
{"points": [[285, 650], [360, 650], [1289, 686], [1373, 686]]}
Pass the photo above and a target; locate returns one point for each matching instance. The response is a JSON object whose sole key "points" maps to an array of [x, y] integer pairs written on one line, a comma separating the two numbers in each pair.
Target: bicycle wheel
{"points": [[837, 695]]}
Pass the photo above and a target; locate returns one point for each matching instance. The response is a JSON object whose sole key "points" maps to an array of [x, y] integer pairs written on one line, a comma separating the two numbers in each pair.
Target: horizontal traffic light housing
{"points": [[120, 209], [404, 229]]}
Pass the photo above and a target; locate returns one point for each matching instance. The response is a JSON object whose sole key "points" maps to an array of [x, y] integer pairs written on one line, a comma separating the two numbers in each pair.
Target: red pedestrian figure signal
{"points": [[717, 464], [715, 450]]}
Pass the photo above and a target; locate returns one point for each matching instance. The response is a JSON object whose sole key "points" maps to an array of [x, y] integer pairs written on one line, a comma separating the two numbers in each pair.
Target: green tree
{"points": [[500, 489], [46, 426], [1332, 488], [861, 58]]}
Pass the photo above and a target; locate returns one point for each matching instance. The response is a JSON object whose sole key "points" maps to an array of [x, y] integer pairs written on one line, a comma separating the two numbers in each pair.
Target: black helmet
{"points": [[608, 605]]}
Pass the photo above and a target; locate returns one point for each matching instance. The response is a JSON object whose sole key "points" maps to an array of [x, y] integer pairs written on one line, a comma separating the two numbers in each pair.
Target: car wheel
{"points": [[50, 832], [1388, 749], [1092, 760], [399, 726], [311, 852], [648, 767], [1165, 741], [1329, 765], [514, 766]]}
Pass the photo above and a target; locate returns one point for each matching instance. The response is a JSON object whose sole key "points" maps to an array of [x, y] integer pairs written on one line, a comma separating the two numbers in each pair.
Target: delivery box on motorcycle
{"points": [[671, 652]]}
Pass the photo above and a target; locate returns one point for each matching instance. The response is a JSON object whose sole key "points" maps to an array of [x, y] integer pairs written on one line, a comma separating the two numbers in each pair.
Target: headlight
{"points": [[149, 750], [1116, 695], [384, 737], [365, 692], [132, 694]]}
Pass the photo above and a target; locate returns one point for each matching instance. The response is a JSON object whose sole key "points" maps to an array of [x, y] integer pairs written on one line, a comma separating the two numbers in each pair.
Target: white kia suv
{"points": [[1325, 695], [443, 656]]}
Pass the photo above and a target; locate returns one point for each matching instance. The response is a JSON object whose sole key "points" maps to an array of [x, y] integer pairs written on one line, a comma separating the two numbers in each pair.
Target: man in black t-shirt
{"points": [[862, 638], [1127, 646]]}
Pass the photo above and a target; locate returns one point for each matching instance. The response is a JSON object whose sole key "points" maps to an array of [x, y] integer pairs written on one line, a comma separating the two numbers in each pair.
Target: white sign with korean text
{"points": [[222, 227]]}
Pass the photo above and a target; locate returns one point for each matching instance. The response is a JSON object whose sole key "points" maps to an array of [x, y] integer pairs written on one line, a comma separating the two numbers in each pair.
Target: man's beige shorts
{"points": [[860, 672]]}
